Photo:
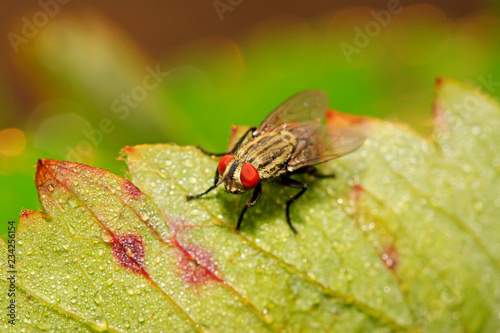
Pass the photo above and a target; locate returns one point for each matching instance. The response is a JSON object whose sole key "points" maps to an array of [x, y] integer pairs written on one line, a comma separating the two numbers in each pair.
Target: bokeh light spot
{"points": [[12, 142]]}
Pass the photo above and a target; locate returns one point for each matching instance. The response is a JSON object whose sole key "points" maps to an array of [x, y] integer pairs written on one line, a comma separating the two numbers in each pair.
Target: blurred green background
{"points": [[79, 81]]}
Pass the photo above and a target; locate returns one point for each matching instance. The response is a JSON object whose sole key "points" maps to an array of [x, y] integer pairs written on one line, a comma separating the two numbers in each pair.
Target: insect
{"points": [[291, 140]]}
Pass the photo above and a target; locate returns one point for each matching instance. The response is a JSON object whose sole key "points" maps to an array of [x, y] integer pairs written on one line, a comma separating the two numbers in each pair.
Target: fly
{"points": [[291, 140]]}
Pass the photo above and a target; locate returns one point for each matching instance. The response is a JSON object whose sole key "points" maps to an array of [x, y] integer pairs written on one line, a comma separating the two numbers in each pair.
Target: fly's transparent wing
{"points": [[305, 108], [319, 143]]}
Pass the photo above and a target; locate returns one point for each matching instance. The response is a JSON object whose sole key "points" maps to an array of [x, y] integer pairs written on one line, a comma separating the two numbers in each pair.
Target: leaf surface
{"points": [[405, 238]]}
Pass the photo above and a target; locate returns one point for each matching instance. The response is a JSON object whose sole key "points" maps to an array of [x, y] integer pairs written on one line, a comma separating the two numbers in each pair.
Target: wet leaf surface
{"points": [[405, 238]]}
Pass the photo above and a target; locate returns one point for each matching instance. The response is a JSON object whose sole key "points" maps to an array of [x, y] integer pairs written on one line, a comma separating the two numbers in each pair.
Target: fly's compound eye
{"points": [[249, 176], [224, 161]]}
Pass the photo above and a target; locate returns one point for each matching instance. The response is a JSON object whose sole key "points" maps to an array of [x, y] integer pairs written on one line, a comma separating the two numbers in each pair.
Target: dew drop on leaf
{"points": [[106, 237], [98, 299], [100, 323]]}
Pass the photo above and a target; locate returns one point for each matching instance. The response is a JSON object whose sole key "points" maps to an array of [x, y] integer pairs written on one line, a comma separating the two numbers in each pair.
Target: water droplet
{"points": [[98, 299], [75, 182], [144, 216], [140, 318], [100, 323], [71, 230], [73, 300], [50, 187], [106, 237], [130, 291]]}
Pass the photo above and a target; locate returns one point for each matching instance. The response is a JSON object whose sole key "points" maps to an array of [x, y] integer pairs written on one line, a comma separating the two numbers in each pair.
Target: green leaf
{"points": [[406, 238]]}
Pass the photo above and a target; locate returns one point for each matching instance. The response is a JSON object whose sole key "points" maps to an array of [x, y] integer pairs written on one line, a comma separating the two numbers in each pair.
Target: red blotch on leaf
{"points": [[390, 257], [196, 263], [439, 81], [129, 252], [356, 191], [131, 189]]}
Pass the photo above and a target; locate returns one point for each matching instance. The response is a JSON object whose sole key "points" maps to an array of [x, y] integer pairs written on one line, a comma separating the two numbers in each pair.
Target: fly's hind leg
{"points": [[285, 181], [313, 171]]}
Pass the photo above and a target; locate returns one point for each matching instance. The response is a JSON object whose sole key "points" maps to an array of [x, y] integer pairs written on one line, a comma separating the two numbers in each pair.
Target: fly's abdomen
{"points": [[268, 152]]}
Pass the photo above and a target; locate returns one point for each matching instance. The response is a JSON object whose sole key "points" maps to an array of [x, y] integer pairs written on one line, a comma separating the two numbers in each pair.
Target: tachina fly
{"points": [[291, 140]]}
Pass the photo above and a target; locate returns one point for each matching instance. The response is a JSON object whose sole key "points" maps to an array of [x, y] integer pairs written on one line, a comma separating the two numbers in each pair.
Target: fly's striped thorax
{"points": [[268, 152]]}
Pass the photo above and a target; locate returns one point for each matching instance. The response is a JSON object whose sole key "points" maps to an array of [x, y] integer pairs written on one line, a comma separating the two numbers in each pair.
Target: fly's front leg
{"points": [[255, 197], [209, 153], [285, 181], [216, 180], [236, 146]]}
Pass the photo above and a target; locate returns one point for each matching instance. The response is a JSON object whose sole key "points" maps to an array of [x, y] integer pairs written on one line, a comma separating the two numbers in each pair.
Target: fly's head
{"points": [[238, 176]]}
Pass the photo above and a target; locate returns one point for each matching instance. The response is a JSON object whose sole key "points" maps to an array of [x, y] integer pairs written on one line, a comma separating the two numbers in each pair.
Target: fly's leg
{"points": [[216, 180], [313, 171], [285, 181], [255, 197], [251, 129], [209, 153]]}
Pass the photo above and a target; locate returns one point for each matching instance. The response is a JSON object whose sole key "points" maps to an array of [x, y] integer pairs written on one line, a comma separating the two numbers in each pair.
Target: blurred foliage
{"points": [[82, 66]]}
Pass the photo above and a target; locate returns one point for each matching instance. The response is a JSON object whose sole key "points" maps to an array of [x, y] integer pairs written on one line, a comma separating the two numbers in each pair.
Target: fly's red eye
{"points": [[223, 163], [249, 176]]}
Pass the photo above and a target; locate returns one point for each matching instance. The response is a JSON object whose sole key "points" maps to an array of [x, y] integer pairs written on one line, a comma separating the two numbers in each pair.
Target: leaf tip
{"points": [[25, 214], [335, 117], [43, 174], [129, 150]]}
